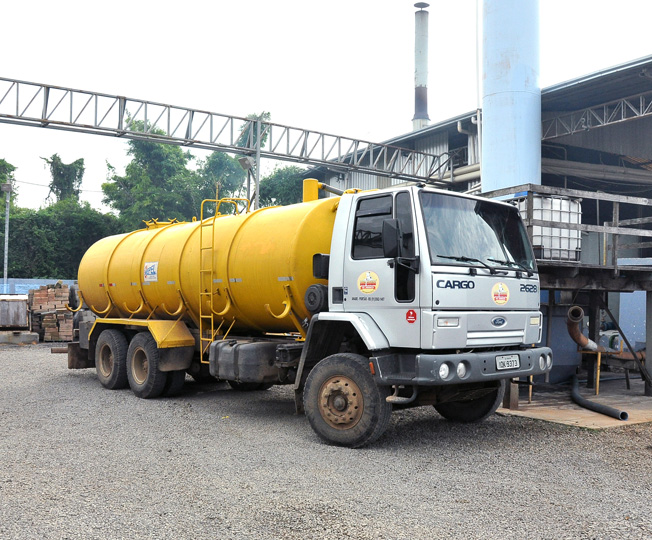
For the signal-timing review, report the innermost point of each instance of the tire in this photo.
(111, 359)
(472, 410)
(145, 378)
(343, 404)
(174, 383)
(249, 386)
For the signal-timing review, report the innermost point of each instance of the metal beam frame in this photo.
(34, 104)
(605, 114)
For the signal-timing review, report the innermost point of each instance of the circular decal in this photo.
(368, 282)
(411, 316)
(500, 293)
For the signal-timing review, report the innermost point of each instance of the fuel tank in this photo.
(249, 271)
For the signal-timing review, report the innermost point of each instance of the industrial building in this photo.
(583, 181)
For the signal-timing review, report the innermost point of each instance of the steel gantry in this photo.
(620, 110)
(47, 106)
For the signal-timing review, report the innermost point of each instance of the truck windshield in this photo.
(461, 230)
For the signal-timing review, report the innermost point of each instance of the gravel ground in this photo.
(79, 461)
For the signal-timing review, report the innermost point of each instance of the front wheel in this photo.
(473, 410)
(343, 404)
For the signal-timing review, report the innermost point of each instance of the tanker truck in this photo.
(364, 302)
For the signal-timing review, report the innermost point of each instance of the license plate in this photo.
(508, 361)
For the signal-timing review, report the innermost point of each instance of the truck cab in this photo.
(442, 291)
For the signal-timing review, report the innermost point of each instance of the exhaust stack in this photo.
(420, 119)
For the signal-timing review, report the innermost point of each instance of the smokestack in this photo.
(420, 119)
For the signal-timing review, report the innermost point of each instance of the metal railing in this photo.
(612, 229)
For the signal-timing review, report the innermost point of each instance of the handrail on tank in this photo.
(234, 202)
(108, 307)
(81, 302)
(182, 305)
(287, 311)
(284, 313)
(133, 312)
(229, 302)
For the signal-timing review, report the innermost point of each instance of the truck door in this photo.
(379, 285)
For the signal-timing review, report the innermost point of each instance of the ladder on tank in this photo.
(206, 276)
(207, 280)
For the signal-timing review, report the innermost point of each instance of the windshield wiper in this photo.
(513, 263)
(462, 258)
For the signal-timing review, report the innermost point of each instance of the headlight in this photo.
(542, 362)
(444, 371)
(535, 321)
(549, 361)
(448, 322)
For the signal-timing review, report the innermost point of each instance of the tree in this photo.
(283, 186)
(49, 243)
(249, 132)
(7, 177)
(66, 178)
(156, 183)
(219, 174)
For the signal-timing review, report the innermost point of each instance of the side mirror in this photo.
(391, 238)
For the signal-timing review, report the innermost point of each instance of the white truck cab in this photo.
(441, 293)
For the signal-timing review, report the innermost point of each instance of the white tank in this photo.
(511, 96)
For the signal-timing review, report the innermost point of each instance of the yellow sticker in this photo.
(368, 282)
(500, 293)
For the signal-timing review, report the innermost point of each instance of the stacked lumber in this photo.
(50, 318)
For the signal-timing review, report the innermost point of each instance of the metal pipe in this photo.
(575, 316)
(592, 406)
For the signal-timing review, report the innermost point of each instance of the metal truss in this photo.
(55, 107)
(621, 110)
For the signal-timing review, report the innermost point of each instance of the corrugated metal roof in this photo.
(602, 86)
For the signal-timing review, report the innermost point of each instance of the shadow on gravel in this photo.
(416, 428)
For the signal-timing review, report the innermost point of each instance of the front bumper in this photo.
(424, 369)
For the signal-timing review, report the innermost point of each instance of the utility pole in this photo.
(7, 189)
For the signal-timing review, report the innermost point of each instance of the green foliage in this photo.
(7, 177)
(66, 178)
(249, 132)
(49, 243)
(283, 186)
(221, 175)
(158, 183)
(155, 184)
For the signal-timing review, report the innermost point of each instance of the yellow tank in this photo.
(248, 271)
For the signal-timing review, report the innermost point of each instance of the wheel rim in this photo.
(139, 366)
(106, 361)
(340, 402)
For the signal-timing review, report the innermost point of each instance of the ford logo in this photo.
(498, 321)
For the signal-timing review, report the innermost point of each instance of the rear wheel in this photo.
(473, 410)
(145, 378)
(343, 404)
(111, 359)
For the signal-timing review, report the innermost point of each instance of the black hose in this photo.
(597, 407)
